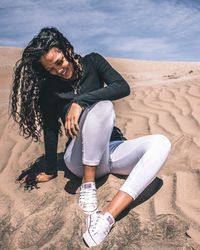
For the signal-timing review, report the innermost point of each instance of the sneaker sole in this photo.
(87, 238)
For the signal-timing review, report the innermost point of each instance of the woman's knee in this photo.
(163, 142)
(106, 105)
(103, 110)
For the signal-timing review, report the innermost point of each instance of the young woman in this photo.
(53, 83)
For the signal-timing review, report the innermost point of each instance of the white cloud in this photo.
(146, 48)
(143, 45)
(142, 27)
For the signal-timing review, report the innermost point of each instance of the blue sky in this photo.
(137, 29)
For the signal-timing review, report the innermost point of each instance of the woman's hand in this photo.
(43, 177)
(71, 124)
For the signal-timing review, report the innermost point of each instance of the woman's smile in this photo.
(56, 64)
(63, 72)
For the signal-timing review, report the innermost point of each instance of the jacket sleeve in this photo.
(50, 129)
(116, 87)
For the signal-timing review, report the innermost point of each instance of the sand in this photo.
(164, 99)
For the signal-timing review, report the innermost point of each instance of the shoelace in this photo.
(88, 197)
(101, 225)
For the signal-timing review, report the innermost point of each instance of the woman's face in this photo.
(56, 64)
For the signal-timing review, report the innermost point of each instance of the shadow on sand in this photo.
(148, 192)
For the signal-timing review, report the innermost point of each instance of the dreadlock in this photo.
(29, 76)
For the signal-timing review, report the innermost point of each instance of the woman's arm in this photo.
(116, 87)
(50, 128)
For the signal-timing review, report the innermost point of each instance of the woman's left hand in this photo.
(71, 123)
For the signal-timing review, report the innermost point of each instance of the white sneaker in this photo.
(98, 227)
(88, 198)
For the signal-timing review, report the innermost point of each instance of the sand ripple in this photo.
(165, 99)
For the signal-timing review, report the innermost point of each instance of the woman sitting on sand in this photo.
(52, 82)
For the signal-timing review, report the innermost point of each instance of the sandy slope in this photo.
(165, 99)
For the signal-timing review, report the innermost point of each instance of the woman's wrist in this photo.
(78, 104)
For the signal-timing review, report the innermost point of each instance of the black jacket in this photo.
(57, 95)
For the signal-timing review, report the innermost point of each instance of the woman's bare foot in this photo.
(43, 177)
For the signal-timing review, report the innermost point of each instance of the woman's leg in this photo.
(87, 156)
(139, 158)
(91, 147)
(96, 133)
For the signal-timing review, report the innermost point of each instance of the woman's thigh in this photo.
(125, 155)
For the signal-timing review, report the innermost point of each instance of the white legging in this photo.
(140, 158)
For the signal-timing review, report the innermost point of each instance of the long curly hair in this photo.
(29, 76)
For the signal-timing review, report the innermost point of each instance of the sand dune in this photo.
(165, 99)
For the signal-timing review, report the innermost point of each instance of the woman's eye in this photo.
(60, 62)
